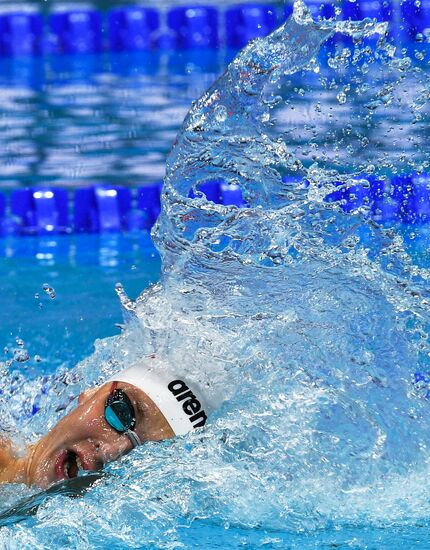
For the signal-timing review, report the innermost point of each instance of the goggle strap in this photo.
(134, 438)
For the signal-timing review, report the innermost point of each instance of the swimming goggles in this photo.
(120, 415)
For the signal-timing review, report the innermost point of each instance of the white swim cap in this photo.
(182, 404)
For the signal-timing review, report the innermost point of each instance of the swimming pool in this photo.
(312, 318)
(82, 270)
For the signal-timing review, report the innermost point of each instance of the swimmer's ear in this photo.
(87, 394)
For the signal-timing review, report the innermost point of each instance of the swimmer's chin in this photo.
(44, 469)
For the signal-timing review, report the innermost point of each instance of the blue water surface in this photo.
(59, 323)
(310, 321)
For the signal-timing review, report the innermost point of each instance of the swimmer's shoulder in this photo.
(11, 466)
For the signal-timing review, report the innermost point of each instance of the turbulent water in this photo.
(311, 322)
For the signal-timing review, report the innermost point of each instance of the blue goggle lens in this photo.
(119, 412)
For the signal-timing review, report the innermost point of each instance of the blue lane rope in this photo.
(96, 209)
(109, 208)
(137, 28)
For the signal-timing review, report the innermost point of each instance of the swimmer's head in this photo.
(85, 440)
(144, 402)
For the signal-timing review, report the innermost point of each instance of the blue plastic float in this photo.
(133, 28)
(148, 206)
(194, 27)
(21, 34)
(39, 210)
(247, 21)
(101, 208)
(76, 31)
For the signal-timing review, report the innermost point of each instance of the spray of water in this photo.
(310, 322)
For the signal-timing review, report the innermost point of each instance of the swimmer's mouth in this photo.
(72, 465)
(68, 465)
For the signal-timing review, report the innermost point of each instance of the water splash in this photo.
(310, 322)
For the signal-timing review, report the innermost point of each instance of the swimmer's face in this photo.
(83, 440)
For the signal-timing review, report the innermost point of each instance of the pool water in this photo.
(310, 318)
(58, 325)
(82, 120)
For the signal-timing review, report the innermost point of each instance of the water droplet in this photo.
(6, 350)
(221, 113)
(49, 290)
(20, 355)
(119, 288)
(19, 342)
(341, 97)
(36, 296)
(127, 303)
(37, 358)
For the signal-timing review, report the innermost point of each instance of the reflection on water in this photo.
(77, 120)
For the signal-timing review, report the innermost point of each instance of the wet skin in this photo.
(83, 440)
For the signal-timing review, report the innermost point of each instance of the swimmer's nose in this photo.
(109, 450)
(92, 456)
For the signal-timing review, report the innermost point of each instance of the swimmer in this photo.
(142, 403)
